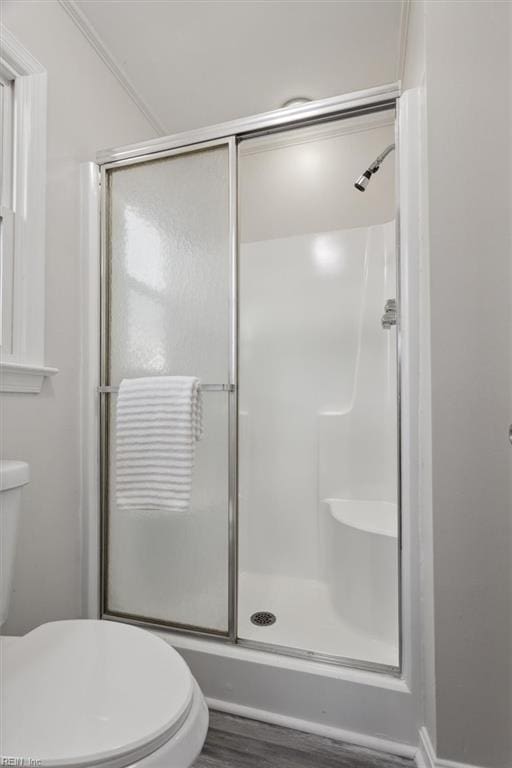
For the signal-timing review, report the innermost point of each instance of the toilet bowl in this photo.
(93, 694)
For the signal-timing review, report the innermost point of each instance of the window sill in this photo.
(18, 377)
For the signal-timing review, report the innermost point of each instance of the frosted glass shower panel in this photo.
(170, 279)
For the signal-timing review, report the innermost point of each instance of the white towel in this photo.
(159, 421)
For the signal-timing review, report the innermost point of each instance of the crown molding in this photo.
(15, 60)
(95, 40)
(402, 38)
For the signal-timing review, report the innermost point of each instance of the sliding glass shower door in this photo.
(255, 264)
(168, 300)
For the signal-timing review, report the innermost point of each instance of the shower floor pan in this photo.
(306, 620)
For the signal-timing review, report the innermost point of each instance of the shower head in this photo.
(363, 181)
(365, 177)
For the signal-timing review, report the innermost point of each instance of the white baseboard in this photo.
(426, 755)
(307, 726)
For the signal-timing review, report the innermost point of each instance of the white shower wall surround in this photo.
(318, 420)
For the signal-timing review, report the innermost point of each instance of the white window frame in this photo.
(22, 368)
(6, 213)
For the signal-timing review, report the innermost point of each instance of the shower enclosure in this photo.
(243, 254)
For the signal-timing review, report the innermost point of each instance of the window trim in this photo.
(24, 370)
(7, 213)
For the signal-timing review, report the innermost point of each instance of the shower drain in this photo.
(263, 618)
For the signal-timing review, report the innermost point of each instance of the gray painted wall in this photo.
(468, 70)
(87, 109)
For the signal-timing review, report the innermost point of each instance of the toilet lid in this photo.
(87, 693)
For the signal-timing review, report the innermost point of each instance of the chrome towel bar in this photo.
(204, 388)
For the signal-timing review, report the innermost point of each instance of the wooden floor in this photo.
(234, 742)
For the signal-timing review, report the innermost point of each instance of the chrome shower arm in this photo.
(379, 160)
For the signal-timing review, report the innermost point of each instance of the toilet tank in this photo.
(13, 476)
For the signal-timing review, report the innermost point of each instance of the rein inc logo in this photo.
(21, 762)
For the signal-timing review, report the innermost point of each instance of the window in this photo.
(22, 218)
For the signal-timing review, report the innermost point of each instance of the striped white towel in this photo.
(159, 421)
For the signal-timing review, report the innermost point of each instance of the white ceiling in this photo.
(201, 62)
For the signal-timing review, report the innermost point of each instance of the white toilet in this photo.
(86, 693)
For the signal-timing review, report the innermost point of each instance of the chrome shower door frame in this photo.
(326, 110)
(106, 389)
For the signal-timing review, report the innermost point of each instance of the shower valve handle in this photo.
(389, 317)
